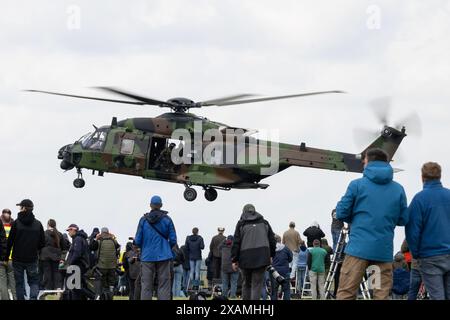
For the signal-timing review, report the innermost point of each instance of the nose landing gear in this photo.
(79, 181)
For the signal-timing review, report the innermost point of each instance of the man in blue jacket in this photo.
(428, 232)
(374, 205)
(157, 238)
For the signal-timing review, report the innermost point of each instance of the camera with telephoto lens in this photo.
(274, 273)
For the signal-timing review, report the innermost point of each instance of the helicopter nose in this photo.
(64, 155)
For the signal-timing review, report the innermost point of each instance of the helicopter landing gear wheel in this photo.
(78, 183)
(190, 194)
(210, 194)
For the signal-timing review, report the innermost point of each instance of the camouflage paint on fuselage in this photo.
(128, 150)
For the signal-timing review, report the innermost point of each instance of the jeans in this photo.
(435, 273)
(414, 284)
(195, 268)
(149, 270)
(177, 278)
(301, 273)
(7, 281)
(230, 280)
(185, 282)
(293, 264)
(335, 235)
(32, 273)
(265, 285)
(285, 286)
(252, 285)
(317, 282)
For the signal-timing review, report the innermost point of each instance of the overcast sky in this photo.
(206, 49)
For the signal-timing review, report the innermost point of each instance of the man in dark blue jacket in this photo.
(157, 239)
(281, 261)
(79, 256)
(374, 205)
(428, 232)
(194, 246)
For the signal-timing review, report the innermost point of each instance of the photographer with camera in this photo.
(252, 251)
(280, 271)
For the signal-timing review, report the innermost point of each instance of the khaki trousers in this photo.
(352, 272)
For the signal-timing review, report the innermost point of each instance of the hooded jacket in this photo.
(428, 229)
(156, 236)
(194, 245)
(283, 256)
(254, 241)
(79, 251)
(27, 237)
(374, 205)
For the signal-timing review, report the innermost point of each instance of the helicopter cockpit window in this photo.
(127, 146)
(94, 141)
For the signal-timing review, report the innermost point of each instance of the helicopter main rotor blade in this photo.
(146, 100)
(85, 97)
(213, 102)
(227, 103)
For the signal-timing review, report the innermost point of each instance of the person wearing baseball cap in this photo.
(157, 239)
(28, 238)
(79, 256)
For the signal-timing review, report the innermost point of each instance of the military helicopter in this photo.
(141, 147)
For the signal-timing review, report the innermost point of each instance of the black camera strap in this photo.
(156, 229)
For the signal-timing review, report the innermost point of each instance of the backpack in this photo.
(107, 254)
(400, 284)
